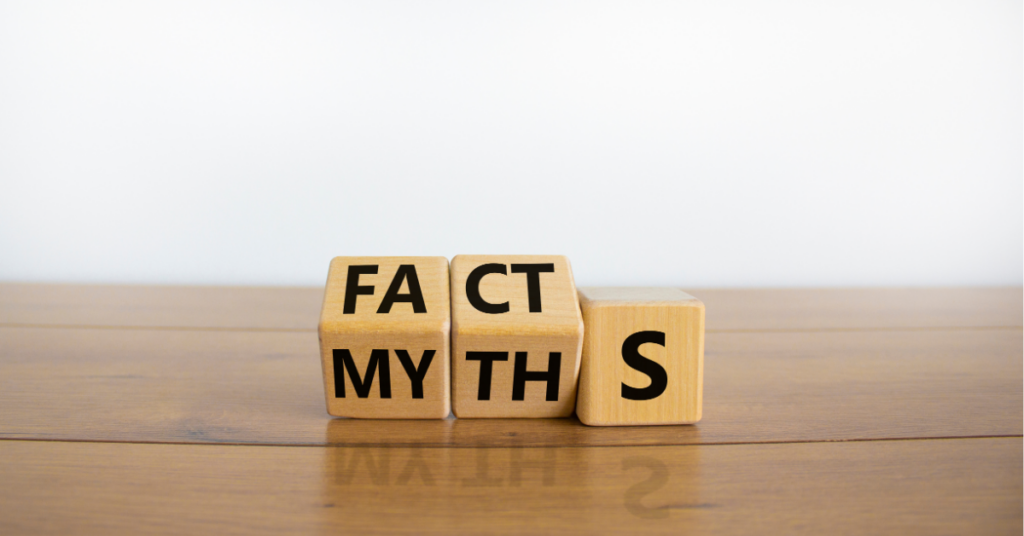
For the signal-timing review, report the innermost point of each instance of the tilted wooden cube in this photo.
(384, 338)
(517, 334)
(643, 357)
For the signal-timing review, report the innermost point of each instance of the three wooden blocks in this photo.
(513, 337)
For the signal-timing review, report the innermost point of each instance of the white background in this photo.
(679, 143)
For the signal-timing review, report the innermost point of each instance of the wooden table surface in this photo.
(135, 409)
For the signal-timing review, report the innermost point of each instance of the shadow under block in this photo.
(384, 338)
(517, 335)
(643, 357)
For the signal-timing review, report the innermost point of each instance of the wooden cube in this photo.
(517, 335)
(384, 338)
(643, 357)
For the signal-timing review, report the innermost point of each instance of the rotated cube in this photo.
(643, 357)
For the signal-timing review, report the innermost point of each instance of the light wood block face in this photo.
(517, 334)
(384, 338)
(643, 357)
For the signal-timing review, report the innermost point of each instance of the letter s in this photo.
(631, 355)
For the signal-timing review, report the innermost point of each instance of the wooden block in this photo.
(517, 335)
(384, 338)
(643, 357)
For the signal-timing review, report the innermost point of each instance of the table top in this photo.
(173, 409)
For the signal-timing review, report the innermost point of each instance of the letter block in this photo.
(384, 338)
(643, 357)
(517, 334)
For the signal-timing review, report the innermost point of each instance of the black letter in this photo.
(416, 374)
(520, 376)
(352, 288)
(473, 290)
(486, 359)
(378, 359)
(415, 295)
(631, 355)
(533, 272)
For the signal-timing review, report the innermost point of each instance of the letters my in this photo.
(343, 362)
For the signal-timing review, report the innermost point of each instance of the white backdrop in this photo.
(684, 143)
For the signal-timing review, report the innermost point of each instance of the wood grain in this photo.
(280, 308)
(846, 370)
(868, 308)
(266, 388)
(964, 486)
(298, 308)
